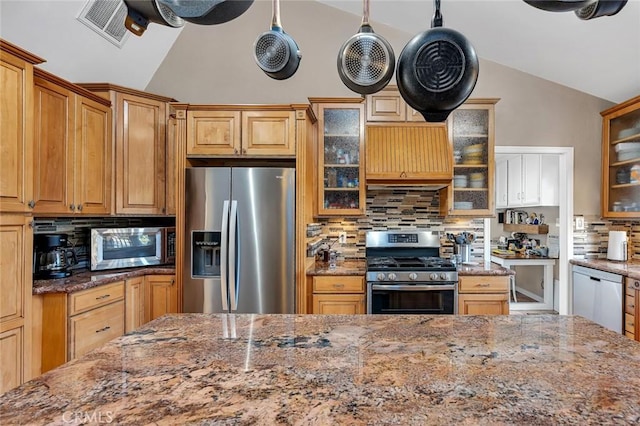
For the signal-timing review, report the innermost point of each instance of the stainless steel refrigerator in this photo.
(239, 240)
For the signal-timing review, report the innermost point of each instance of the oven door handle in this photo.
(413, 287)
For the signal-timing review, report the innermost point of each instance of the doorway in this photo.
(554, 298)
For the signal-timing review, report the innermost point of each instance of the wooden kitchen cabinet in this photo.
(140, 138)
(76, 323)
(632, 308)
(621, 160)
(387, 105)
(483, 295)
(228, 131)
(16, 251)
(340, 179)
(472, 133)
(16, 128)
(72, 149)
(340, 295)
(161, 296)
(134, 303)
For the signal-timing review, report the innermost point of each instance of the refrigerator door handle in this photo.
(233, 285)
(223, 256)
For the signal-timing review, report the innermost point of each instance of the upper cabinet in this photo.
(621, 160)
(140, 148)
(472, 134)
(524, 180)
(16, 128)
(387, 105)
(232, 130)
(72, 149)
(340, 153)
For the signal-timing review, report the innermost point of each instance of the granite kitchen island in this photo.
(363, 369)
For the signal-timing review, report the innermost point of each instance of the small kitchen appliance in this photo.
(405, 274)
(617, 247)
(52, 256)
(115, 248)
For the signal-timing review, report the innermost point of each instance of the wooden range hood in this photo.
(408, 154)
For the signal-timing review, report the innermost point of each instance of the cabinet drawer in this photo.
(94, 328)
(483, 284)
(338, 284)
(99, 296)
(629, 323)
(630, 304)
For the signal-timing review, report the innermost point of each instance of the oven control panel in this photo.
(402, 238)
(413, 277)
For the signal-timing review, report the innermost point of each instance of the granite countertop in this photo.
(82, 280)
(346, 267)
(344, 370)
(520, 256)
(484, 268)
(628, 269)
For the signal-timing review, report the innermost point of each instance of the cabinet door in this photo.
(53, 148)
(621, 160)
(16, 251)
(93, 157)
(16, 134)
(386, 105)
(161, 296)
(514, 190)
(549, 179)
(171, 168)
(213, 133)
(270, 133)
(340, 173)
(531, 179)
(11, 359)
(134, 303)
(140, 155)
(471, 129)
(483, 304)
(501, 184)
(94, 328)
(338, 304)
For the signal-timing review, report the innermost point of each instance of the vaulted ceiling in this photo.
(600, 57)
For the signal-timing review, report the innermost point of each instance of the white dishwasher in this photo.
(597, 296)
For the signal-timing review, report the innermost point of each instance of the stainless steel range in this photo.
(405, 274)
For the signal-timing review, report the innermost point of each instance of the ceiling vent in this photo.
(106, 17)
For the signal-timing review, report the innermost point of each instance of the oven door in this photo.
(405, 298)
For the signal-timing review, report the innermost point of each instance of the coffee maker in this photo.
(52, 256)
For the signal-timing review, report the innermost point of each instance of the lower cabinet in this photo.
(632, 309)
(161, 296)
(339, 295)
(76, 323)
(483, 295)
(134, 304)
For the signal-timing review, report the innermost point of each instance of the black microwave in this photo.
(115, 248)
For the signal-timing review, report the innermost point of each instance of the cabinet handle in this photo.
(103, 329)
(79, 207)
(244, 151)
(403, 175)
(72, 207)
(235, 151)
(338, 285)
(31, 204)
(484, 285)
(103, 297)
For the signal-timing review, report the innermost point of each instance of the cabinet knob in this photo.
(30, 224)
(636, 284)
(72, 207)
(244, 151)
(31, 204)
(235, 151)
(79, 207)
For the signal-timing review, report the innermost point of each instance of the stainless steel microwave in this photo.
(114, 248)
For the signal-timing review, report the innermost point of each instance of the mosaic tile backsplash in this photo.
(396, 209)
(591, 243)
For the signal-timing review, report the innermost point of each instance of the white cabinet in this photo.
(501, 183)
(527, 180)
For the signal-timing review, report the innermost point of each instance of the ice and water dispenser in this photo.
(205, 260)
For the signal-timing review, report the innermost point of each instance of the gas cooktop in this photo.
(388, 263)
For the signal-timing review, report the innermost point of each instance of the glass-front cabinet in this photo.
(471, 130)
(621, 160)
(340, 148)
